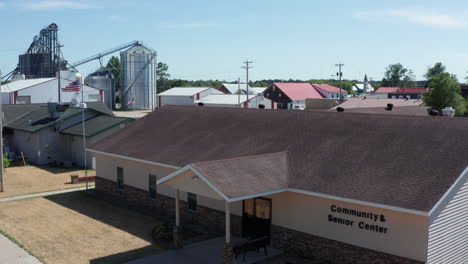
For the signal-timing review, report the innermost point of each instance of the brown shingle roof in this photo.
(247, 175)
(403, 161)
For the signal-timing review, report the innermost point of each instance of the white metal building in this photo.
(239, 101)
(44, 90)
(233, 88)
(184, 95)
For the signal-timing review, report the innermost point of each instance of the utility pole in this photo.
(238, 91)
(1, 139)
(340, 74)
(247, 67)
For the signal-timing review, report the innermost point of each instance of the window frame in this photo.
(152, 195)
(192, 201)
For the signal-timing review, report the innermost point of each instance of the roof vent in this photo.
(261, 106)
(340, 109)
(434, 113)
(52, 107)
(448, 111)
(389, 107)
(201, 104)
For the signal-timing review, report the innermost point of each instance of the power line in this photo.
(247, 67)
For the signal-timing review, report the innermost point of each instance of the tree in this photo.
(409, 80)
(394, 75)
(114, 66)
(436, 70)
(445, 92)
(162, 76)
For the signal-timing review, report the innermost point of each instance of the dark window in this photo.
(192, 201)
(120, 178)
(152, 186)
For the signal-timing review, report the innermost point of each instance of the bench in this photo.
(251, 245)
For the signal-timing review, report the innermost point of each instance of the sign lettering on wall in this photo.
(371, 222)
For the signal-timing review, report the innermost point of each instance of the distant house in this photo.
(330, 91)
(408, 93)
(234, 88)
(387, 90)
(52, 133)
(184, 95)
(44, 90)
(236, 101)
(291, 95)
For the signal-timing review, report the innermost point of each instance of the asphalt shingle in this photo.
(403, 161)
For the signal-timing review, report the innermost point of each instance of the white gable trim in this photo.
(190, 167)
(457, 184)
(133, 159)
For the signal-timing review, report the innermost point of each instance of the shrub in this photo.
(163, 231)
(6, 160)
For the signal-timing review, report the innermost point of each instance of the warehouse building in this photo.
(45, 90)
(236, 101)
(184, 95)
(235, 88)
(336, 187)
(330, 91)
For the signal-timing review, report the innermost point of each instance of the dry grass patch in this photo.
(78, 228)
(32, 179)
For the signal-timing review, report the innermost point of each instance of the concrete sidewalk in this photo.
(27, 196)
(206, 252)
(12, 253)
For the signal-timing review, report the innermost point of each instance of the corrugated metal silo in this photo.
(103, 79)
(138, 78)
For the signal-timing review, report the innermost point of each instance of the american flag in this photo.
(72, 87)
(131, 102)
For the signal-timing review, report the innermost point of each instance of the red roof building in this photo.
(330, 91)
(387, 90)
(291, 95)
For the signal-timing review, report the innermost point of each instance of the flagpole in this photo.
(1, 139)
(83, 105)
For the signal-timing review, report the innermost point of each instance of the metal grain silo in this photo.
(138, 78)
(103, 79)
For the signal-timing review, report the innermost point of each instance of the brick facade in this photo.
(304, 245)
(164, 207)
(290, 241)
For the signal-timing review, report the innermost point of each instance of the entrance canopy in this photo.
(233, 179)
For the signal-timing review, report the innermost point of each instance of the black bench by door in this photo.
(256, 217)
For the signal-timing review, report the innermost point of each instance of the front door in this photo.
(256, 217)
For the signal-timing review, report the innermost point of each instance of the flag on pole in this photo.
(131, 102)
(72, 87)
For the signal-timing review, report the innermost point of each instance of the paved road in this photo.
(12, 253)
(27, 196)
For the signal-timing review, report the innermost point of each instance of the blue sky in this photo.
(209, 39)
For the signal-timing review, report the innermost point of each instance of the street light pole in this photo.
(340, 74)
(83, 106)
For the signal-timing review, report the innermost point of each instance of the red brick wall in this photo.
(296, 243)
(164, 207)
